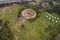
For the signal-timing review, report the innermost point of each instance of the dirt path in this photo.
(17, 29)
(19, 22)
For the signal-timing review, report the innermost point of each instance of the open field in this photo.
(39, 28)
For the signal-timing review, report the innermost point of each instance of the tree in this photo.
(5, 32)
(1, 22)
(56, 9)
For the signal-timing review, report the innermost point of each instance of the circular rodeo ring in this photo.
(28, 13)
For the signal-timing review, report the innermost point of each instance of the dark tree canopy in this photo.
(1, 22)
(5, 32)
(55, 9)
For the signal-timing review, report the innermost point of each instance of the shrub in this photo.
(6, 33)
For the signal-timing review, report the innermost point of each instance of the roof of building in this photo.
(7, 1)
(10, 1)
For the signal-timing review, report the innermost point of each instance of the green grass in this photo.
(36, 30)
(33, 29)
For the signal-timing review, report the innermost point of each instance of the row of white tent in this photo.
(52, 18)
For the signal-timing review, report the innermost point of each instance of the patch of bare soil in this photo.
(7, 8)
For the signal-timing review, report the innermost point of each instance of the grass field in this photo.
(39, 28)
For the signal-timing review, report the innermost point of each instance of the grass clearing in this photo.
(34, 29)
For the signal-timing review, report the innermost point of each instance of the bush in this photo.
(55, 9)
(5, 32)
(32, 20)
(1, 22)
